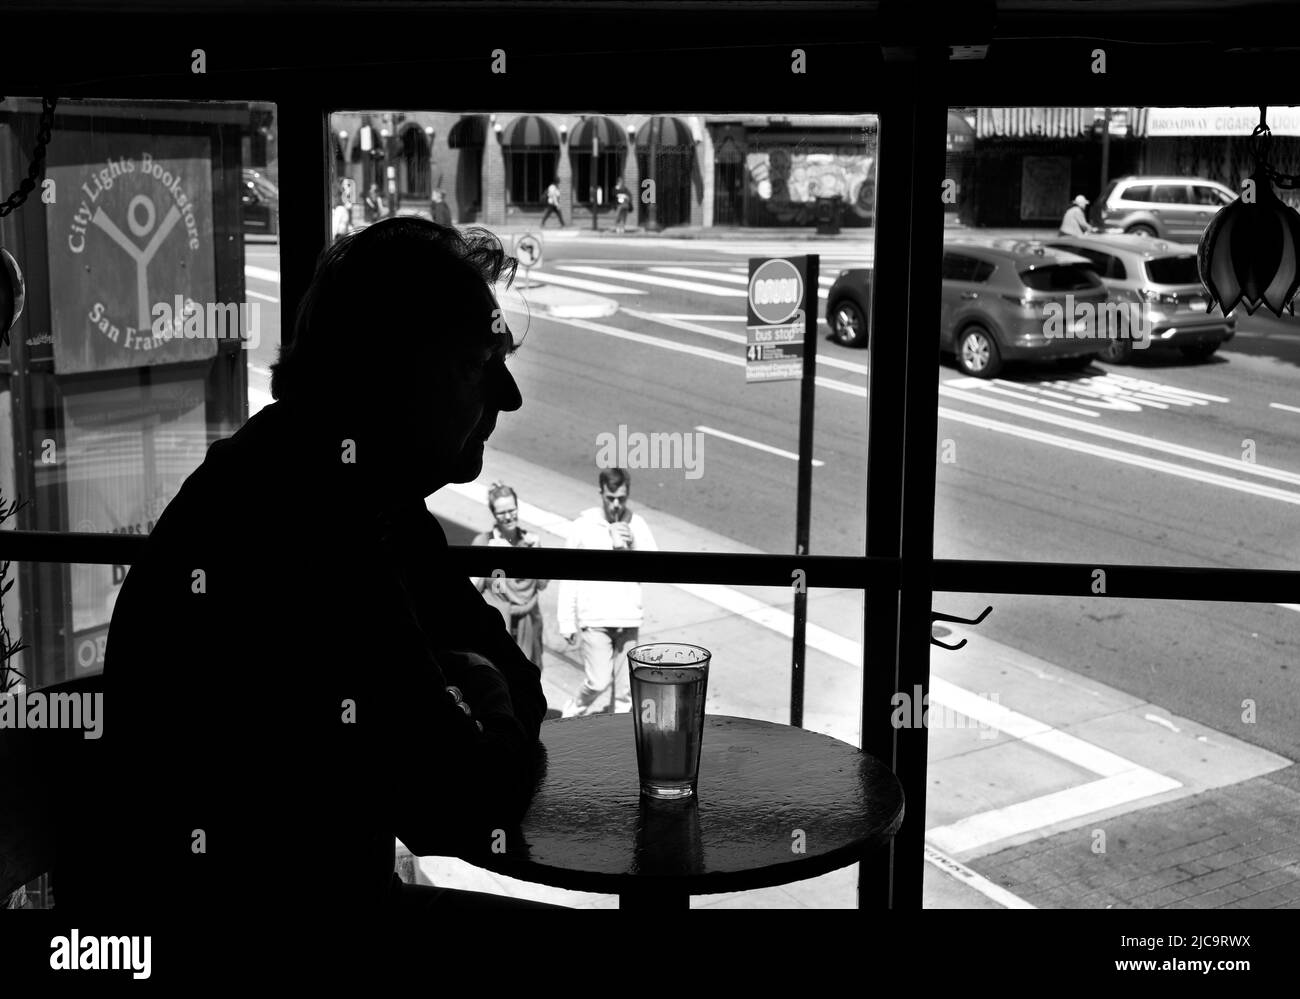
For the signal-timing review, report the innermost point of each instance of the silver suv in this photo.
(1162, 280)
(1177, 208)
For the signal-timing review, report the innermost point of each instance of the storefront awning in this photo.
(673, 134)
(530, 132)
(606, 131)
(1034, 123)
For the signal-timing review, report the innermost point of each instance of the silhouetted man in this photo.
(280, 662)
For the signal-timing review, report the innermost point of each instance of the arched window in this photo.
(413, 166)
(531, 147)
(597, 154)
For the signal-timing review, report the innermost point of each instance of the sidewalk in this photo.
(1029, 761)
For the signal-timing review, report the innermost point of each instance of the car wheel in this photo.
(1141, 230)
(1201, 352)
(848, 324)
(977, 352)
(1117, 352)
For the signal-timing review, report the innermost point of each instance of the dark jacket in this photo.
(276, 676)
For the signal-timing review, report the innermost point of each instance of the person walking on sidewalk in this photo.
(606, 615)
(552, 205)
(516, 599)
(623, 201)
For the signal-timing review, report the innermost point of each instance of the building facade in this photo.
(683, 170)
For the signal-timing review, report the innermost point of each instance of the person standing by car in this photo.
(623, 201)
(516, 599)
(439, 211)
(552, 205)
(1075, 222)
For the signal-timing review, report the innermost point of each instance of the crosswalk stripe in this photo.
(824, 282)
(549, 277)
(663, 282)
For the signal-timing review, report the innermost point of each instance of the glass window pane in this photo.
(637, 349)
(1121, 423)
(151, 320)
(1105, 753)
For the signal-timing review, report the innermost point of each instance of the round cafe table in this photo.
(774, 804)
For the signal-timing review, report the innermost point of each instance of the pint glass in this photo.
(669, 682)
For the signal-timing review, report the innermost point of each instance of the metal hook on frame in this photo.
(936, 616)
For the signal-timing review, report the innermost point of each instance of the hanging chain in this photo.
(37, 166)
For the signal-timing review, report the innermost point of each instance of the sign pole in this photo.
(803, 503)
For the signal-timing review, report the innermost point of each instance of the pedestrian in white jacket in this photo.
(605, 615)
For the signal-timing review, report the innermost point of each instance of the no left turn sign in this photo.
(528, 249)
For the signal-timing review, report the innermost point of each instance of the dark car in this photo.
(848, 307)
(259, 202)
(997, 298)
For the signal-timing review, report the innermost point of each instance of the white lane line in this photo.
(1159, 387)
(1061, 806)
(684, 348)
(1122, 436)
(1042, 402)
(662, 282)
(756, 444)
(257, 294)
(549, 277)
(824, 282)
(1124, 457)
(668, 319)
(973, 880)
(695, 316)
(261, 273)
(1289, 409)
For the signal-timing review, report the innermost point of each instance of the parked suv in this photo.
(1162, 279)
(1176, 208)
(995, 297)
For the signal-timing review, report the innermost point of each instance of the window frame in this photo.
(917, 83)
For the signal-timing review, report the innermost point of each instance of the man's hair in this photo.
(614, 478)
(396, 290)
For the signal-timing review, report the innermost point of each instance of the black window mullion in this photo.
(304, 139)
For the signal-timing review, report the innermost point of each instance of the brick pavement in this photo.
(1232, 847)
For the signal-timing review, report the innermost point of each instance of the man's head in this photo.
(1081, 201)
(400, 335)
(437, 196)
(615, 484)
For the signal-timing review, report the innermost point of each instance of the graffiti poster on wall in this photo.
(786, 183)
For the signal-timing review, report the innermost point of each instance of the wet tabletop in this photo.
(775, 804)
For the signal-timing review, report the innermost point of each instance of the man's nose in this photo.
(506, 397)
